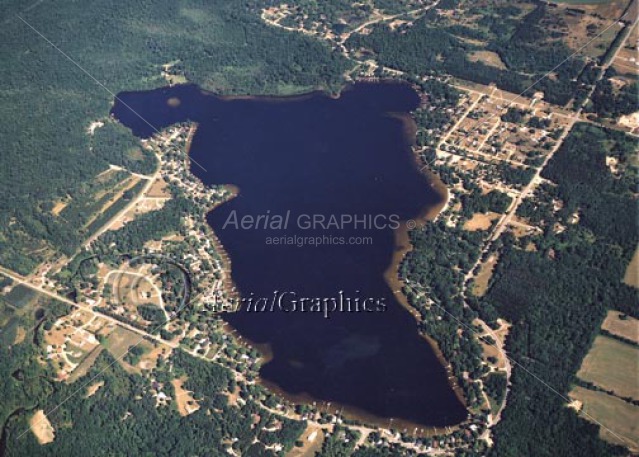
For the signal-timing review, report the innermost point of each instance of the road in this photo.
(506, 219)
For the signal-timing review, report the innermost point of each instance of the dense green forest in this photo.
(556, 297)
(610, 102)
(111, 423)
(47, 103)
(522, 43)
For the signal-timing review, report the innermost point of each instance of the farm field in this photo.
(620, 417)
(612, 365)
(627, 327)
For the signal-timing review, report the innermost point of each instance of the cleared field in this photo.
(21, 296)
(612, 365)
(159, 189)
(620, 417)
(120, 341)
(85, 365)
(480, 285)
(42, 428)
(583, 2)
(93, 388)
(186, 404)
(480, 221)
(487, 57)
(627, 328)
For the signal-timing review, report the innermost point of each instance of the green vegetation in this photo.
(47, 103)
(116, 144)
(495, 384)
(109, 423)
(517, 33)
(340, 443)
(610, 102)
(556, 297)
(151, 313)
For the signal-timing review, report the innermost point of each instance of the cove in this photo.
(317, 156)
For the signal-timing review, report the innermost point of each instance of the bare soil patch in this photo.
(480, 221)
(93, 388)
(42, 428)
(185, 402)
(21, 333)
(487, 57)
(312, 440)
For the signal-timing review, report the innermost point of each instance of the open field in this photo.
(120, 341)
(493, 350)
(93, 388)
(159, 189)
(612, 365)
(85, 365)
(42, 428)
(627, 328)
(480, 285)
(627, 63)
(608, 9)
(21, 296)
(487, 57)
(480, 221)
(186, 404)
(621, 417)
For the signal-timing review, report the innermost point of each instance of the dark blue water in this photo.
(305, 156)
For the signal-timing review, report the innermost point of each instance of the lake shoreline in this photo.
(447, 410)
(402, 248)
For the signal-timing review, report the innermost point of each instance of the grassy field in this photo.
(619, 417)
(612, 365)
(627, 328)
(480, 285)
(119, 343)
(120, 340)
(85, 365)
(20, 309)
(20, 296)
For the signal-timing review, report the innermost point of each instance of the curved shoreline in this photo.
(402, 247)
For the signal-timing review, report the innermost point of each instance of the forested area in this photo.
(557, 295)
(47, 103)
(116, 144)
(438, 271)
(433, 44)
(608, 101)
(148, 226)
(111, 423)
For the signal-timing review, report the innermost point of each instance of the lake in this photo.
(322, 182)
